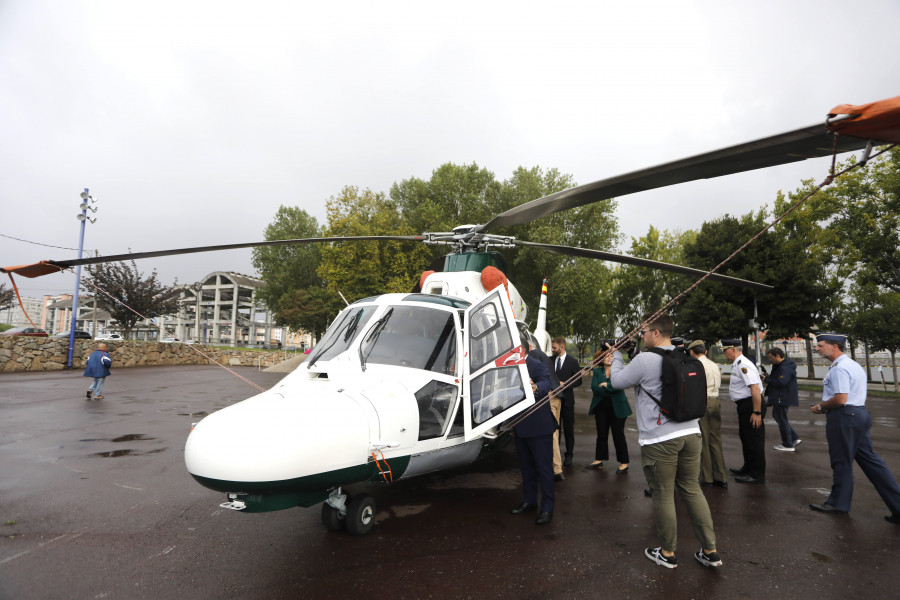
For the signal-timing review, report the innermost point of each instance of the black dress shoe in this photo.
(543, 518)
(559, 477)
(648, 493)
(598, 465)
(734, 471)
(827, 508)
(721, 484)
(567, 462)
(705, 483)
(523, 508)
(748, 479)
(893, 518)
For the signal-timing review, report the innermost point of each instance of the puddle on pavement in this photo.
(129, 452)
(202, 413)
(131, 437)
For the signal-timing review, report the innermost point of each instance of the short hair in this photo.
(842, 346)
(559, 341)
(663, 323)
(775, 351)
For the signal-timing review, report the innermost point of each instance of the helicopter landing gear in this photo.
(334, 510)
(356, 514)
(361, 515)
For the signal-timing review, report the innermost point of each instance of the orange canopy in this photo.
(879, 121)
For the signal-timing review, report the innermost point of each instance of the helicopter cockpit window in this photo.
(494, 391)
(341, 334)
(489, 337)
(435, 401)
(414, 337)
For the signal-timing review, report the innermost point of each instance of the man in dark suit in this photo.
(534, 439)
(566, 367)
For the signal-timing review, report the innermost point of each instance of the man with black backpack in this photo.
(670, 448)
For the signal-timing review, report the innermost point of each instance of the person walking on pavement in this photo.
(566, 367)
(848, 427)
(97, 366)
(670, 450)
(781, 394)
(712, 459)
(745, 391)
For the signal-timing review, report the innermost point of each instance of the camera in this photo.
(627, 345)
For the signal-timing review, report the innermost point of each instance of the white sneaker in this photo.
(781, 448)
(797, 443)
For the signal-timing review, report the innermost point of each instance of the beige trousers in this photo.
(555, 407)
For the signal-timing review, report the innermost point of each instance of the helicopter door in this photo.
(495, 379)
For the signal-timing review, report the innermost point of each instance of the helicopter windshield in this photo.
(415, 337)
(341, 333)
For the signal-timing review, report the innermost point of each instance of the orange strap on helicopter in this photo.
(879, 121)
(380, 470)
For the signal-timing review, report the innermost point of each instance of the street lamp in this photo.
(785, 342)
(83, 219)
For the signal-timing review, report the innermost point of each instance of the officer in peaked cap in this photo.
(745, 390)
(848, 428)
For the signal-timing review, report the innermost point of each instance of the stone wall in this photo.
(25, 353)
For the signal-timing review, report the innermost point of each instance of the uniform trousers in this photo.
(567, 424)
(555, 406)
(712, 459)
(847, 430)
(753, 439)
(536, 460)
(675, 464)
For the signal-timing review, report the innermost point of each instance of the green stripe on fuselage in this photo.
(262, 496)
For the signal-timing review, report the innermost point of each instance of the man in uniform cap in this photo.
(847, 428)
(712, 459)
(745, 390)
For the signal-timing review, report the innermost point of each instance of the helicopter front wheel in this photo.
(360, 515)
(332, 518)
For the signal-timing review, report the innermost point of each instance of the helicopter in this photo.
(401, 385)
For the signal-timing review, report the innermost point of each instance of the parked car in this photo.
(32, 331)
(170, 340)
(109, 336)
(79, 335)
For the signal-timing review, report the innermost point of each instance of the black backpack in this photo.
(683, 385)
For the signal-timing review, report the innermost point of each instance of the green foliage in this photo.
(133, 293)
(638, 290)
(311, 309)
(361, 269)
(288, 268)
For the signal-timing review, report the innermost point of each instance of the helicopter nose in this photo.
(271, 437)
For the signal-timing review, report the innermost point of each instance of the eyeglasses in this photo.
(643, 331)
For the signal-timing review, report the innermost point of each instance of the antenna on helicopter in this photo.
(342, 298)
(540, 330)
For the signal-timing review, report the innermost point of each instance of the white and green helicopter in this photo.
(406, 384)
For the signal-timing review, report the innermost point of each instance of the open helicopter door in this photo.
(496, 385)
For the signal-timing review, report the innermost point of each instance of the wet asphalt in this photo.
(95, 502)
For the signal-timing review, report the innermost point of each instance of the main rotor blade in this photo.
(644, 262)
(792, 146)
(54, 265)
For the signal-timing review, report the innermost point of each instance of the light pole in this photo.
(85, 198)
(785, 342)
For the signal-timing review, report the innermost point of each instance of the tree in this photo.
(878, 324)
(311, 309)
(361, 269)
(291, 269)
(7, 296)
(638, 290)
(777, 258)
(133, 293)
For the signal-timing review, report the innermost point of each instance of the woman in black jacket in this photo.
(781, 394)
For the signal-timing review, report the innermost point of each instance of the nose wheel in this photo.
(355, 514)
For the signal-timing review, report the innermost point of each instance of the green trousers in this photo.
(675, 464)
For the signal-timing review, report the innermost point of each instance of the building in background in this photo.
(13, 315)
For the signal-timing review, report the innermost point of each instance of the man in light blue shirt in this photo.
(848, 431)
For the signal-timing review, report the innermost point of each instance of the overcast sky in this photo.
(191, 122)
